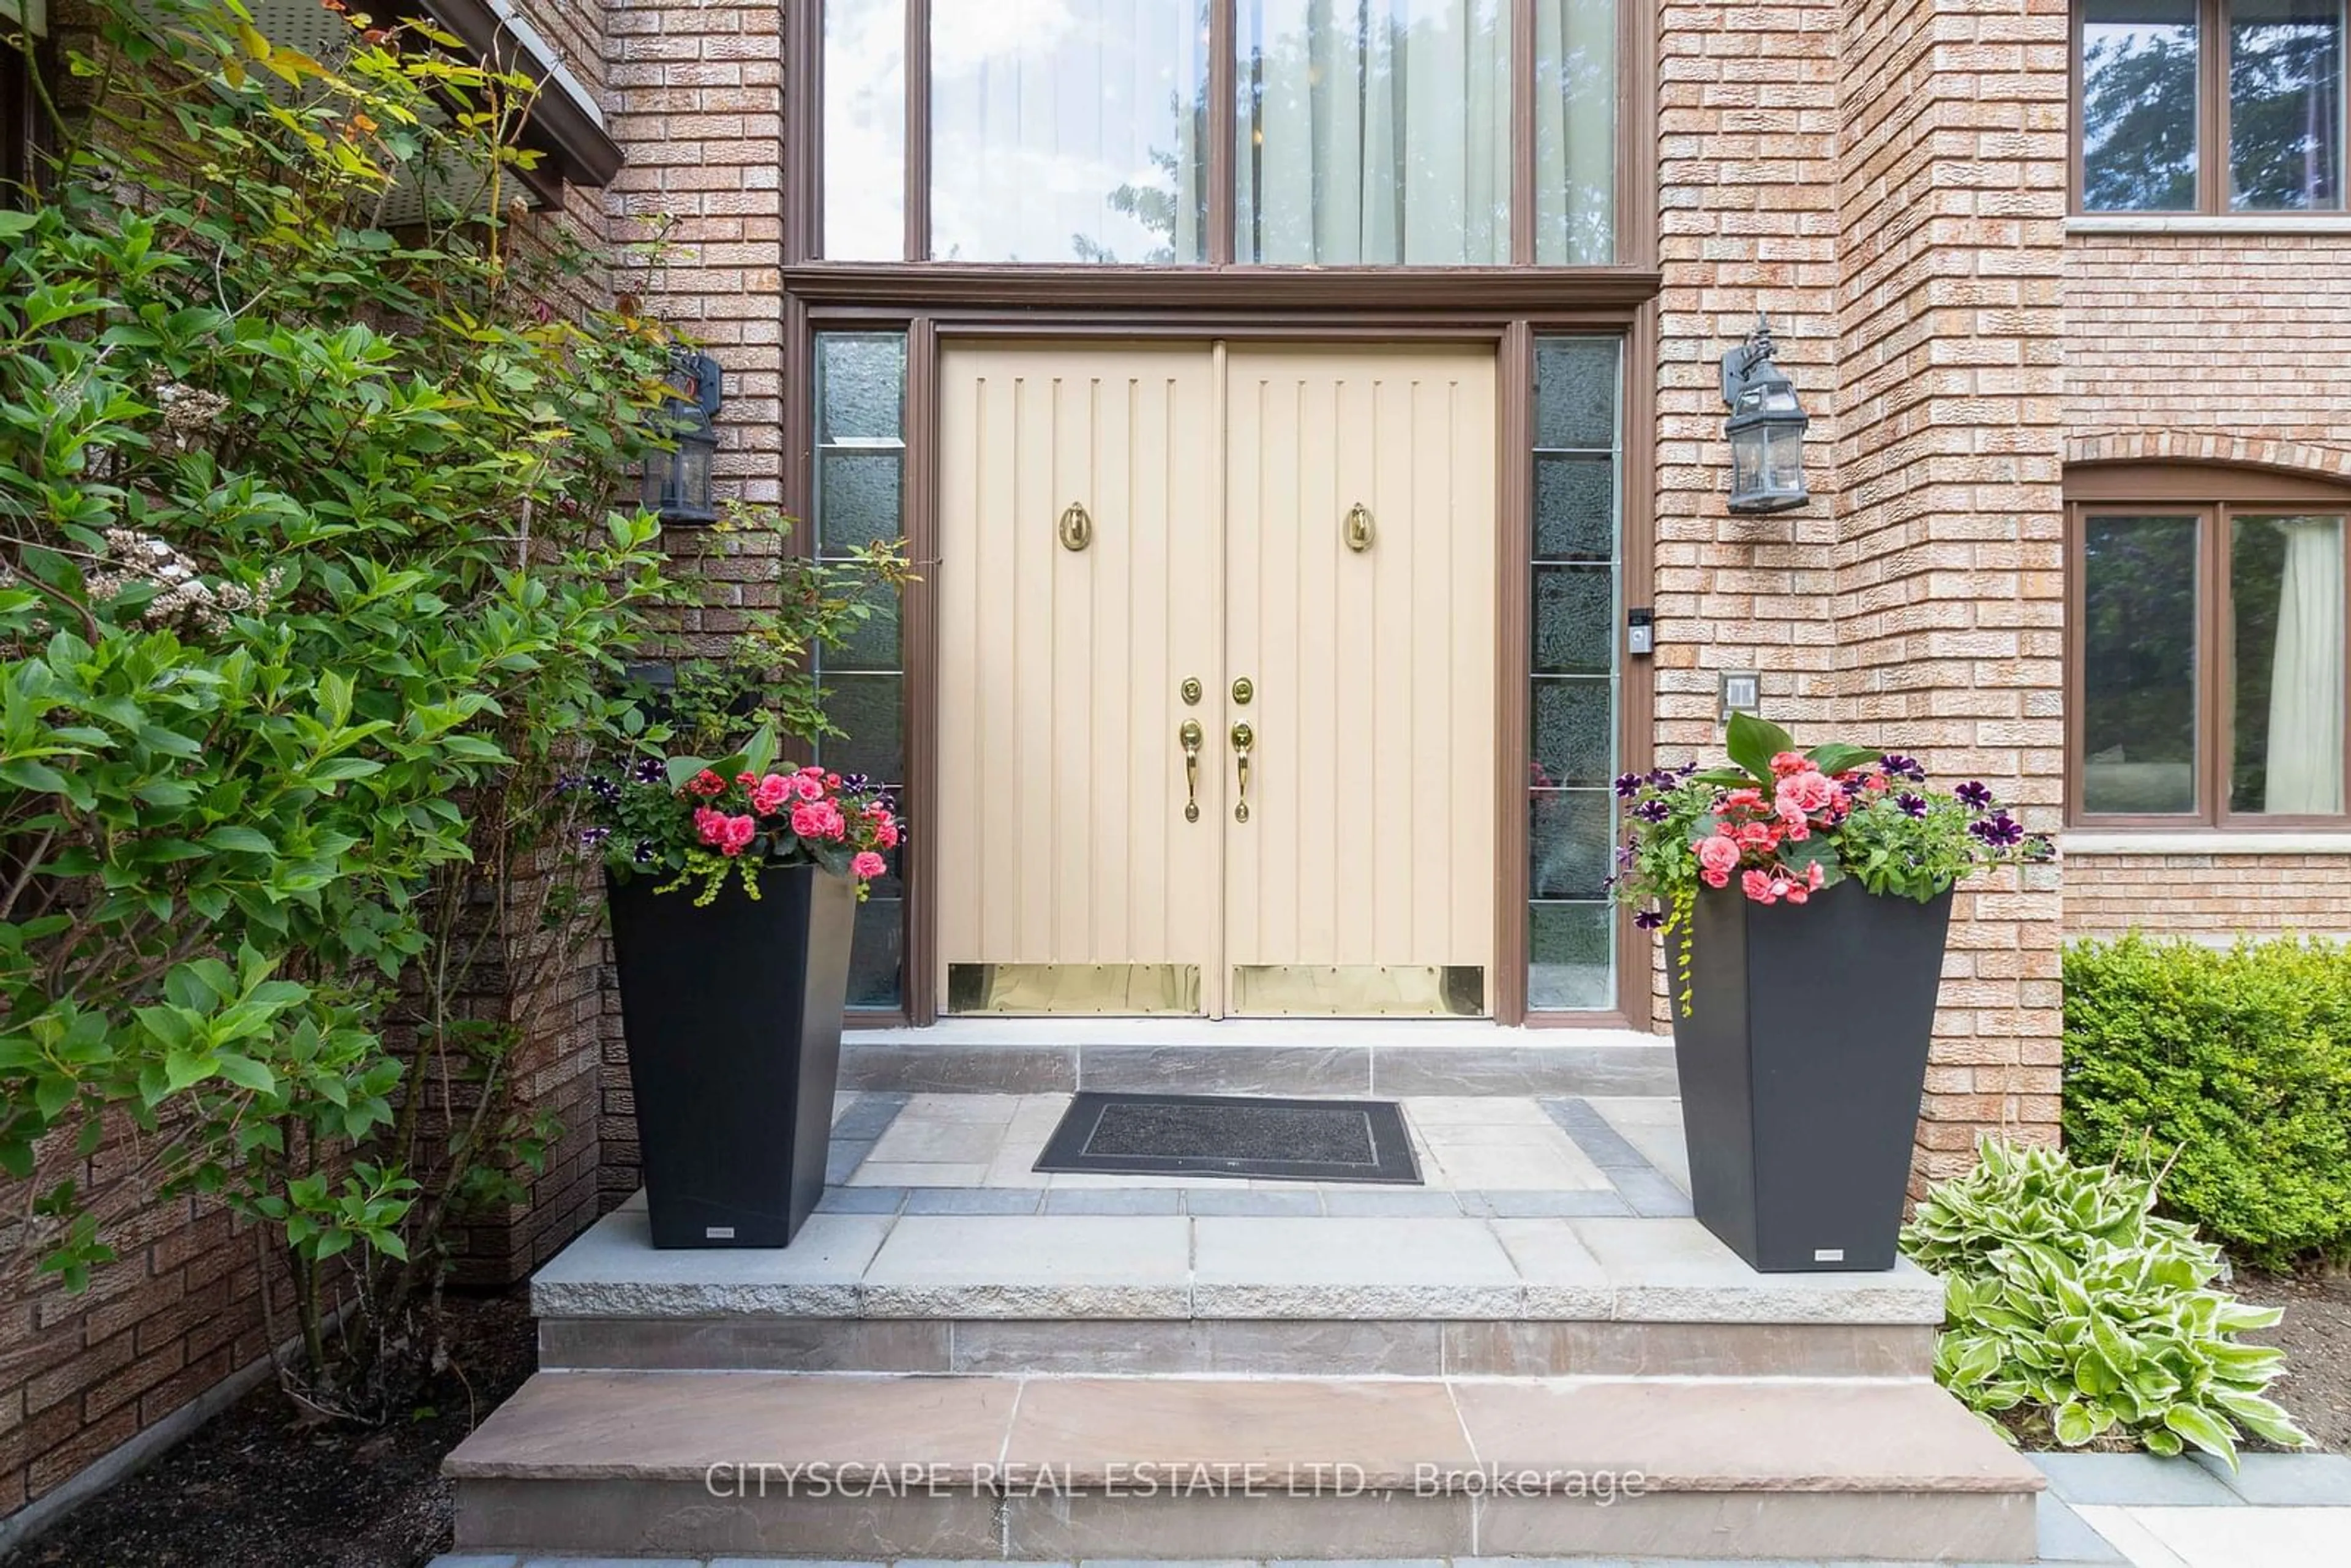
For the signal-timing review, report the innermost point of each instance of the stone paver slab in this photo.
(2285, 1481)
(1032, 1265)
(614, 1271)
(1563, 1280)
(1674, 1270)
(1351, 1268)
(1083, 1426)
(2066, 1537)
(673, 1425)
(2235, 1538)
(2127, 1480)
(1737, 1434)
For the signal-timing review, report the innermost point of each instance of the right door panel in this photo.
(1359, 591)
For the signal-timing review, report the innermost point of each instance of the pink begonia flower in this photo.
(1742, 800)
(809, 786)
(1758, 835)
(711, 825)
(1806, 792)
(885, 832)
(737, 835)
(867, 865)
(819, 819)
(1815, 875)
(1718, 854)
(768, 794)
(1784, 763)
(1794, 828)
(1757, 886)
(1715, 878)
(1793, 892)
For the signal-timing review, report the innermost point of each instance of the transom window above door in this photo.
(1280, 132)
(2210, 106)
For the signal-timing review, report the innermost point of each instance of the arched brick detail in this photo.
(2210, 446)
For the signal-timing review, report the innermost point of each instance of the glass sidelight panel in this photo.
(1068, 130)
(860, 497)
(1574, 675)
(2138, 665)
(1374, 133)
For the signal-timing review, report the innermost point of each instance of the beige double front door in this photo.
(1217, 664)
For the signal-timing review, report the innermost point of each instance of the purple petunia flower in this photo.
(1851, 787)
(1974, 795)
(566, 782)
(1893, 765)
(1686, 770)
(1649, 919)
(591, 837)
(604, 789)
(1661, 778)
(1912, 805)
(648, 770)
(854, 782)
(645, 853)
(2000, 832)
(1627, 786)
(1625, 856)
(1652, 810)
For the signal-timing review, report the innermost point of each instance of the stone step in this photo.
(1390, 1347)
(944, 1268)
(1313, 1057)
(688, 1463)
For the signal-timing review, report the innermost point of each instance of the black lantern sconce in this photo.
(1766, 427)
(677, 482)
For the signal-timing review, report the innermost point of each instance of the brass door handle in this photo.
(1191, 735)
(1243, 738)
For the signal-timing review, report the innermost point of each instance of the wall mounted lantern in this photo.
(1766, 427)
(677, 482)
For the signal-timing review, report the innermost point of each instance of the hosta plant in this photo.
(2073, 1309)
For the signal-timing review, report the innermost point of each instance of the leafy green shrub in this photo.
(2238, 1065)
(2072, 1305)
(318, 554)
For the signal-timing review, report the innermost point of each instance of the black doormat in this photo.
(1232, 1136)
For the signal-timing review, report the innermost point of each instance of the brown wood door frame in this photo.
(1512, 340)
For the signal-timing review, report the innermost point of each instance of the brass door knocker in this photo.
(1077, 530)
(1357, 530)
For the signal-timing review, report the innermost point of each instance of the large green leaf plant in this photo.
(317, 561)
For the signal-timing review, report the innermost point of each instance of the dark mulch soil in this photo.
(256, 1488)
(2317, 1339)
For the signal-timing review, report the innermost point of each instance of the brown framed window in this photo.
(2209, 106)
(2207, 671)
(1188, 132)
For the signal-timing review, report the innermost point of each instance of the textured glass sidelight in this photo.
(865, 130)
(2138, 665)
(861, 394)
(1574, 679)
(1068, 130)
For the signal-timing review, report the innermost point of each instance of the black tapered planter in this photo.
(1801, 1063)
(733, 1013)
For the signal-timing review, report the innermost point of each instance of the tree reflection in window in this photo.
(2285, 104)
(2139, 105)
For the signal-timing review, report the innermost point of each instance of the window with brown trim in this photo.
(2209, 106)
(1277, 132)
(2207, 676)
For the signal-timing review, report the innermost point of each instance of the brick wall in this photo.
(696, 96)
(1949, 202)
(2253, 350)
(2207, 896)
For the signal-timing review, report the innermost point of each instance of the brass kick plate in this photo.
(1037, 990)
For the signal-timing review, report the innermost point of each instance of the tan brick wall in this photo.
(2209, 897)
(2209, 346)
(1950, 605)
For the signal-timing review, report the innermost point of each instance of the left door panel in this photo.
(1069, 878)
